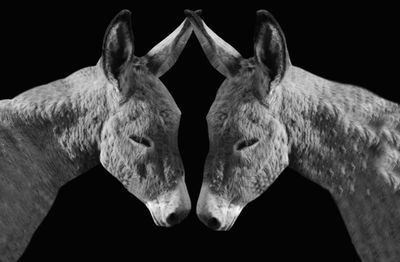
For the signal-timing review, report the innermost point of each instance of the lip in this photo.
(168, 203)
(228, 227)
(216, 206)
(156, 221)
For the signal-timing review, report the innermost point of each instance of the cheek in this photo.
(137, 186)
(107, 149)
(277, 158)
(147, 186)
(117, 154)
(267, 164)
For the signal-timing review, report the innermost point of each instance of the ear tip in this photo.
(263, 12)
(190, 13)
(127, 11)
(124, 14)
(265, 15)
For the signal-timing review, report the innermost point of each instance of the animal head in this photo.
(248, 142)
(139, 138)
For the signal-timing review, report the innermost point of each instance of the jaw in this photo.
(172, 207)
(215, 211)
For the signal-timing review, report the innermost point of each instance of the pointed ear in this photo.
(164, 55)
(221, 55)
(270, 46)
(117, 45)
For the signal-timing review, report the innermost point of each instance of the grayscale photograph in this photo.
(197, 132)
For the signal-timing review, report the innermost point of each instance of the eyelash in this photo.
(246, 143)
(141, 140)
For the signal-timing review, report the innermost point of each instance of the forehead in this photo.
(237, 110)
(235, 94)
(147, 96)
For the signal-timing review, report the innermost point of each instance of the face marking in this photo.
(235, 175)
(217, 208)
(139, 138)
(173, 202)
(248, 143)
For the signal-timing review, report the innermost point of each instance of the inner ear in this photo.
(118, 45)
(270, 46)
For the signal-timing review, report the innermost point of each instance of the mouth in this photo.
(229, 226)
(170, 208)
(156, 221)
(216, 212)
(155, 212)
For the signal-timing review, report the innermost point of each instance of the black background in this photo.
(94, 217)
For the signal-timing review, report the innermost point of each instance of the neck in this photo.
(347, 140)
(51, 134)
(66, 114)
(338, 130)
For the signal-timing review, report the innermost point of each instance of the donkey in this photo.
(117, 113)
(269, 114)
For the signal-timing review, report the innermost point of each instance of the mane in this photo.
(52, 100)
(353, 125)
(72, 109)
(373, 121)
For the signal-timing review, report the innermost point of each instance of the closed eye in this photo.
(141, 140)
(246, 143)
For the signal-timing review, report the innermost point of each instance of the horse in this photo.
(269, 114)
(117, 113)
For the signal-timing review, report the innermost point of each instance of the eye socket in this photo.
(246, 143)
(141, 140)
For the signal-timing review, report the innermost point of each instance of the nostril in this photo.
(176, 217)
(213, 223)
(172, 219)
(210, 221)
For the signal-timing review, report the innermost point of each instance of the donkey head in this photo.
(248, 143)
(139, 138)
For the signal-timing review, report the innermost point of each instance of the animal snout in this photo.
(172, 207)
(210, 221)
(216, 219)
(215, 211)
(176, 217)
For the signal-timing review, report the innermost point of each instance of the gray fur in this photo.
(52, 133)
(340, 136)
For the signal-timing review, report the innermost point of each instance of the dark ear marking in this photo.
(222, 56)
(164, 55)
(118, 45)
(270, 46)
